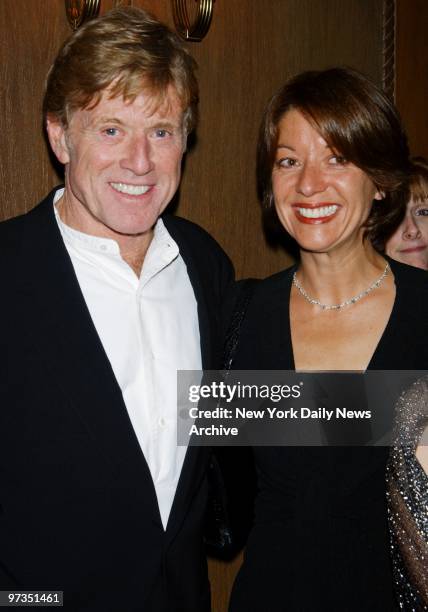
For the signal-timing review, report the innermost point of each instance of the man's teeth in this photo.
(130, 189)
(317, 213)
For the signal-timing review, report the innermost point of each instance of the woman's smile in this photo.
(322, 200)
(315, 214)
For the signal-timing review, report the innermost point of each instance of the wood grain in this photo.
(412, 71)
(31, 33)
(253, 46)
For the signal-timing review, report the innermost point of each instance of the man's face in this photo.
(122, 163)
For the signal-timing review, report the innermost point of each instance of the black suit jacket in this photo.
(78, 509)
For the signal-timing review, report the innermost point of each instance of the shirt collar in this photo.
(162, 250)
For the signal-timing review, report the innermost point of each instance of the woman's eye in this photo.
(286, 162)
(421, 212)
(338, 160)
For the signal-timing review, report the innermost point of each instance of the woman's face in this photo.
(409, 243)
(321, 199)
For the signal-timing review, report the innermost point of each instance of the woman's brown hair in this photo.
(359, 122)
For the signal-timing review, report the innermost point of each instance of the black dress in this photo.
(320, 538)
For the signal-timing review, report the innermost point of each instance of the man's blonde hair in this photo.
(126, 51)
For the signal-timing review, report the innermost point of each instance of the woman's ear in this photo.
(379, 195)
(57, 138)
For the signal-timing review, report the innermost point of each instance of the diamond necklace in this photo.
(349, 302)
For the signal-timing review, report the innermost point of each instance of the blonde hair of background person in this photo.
(409, 242)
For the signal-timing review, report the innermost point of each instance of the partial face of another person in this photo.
(321, 199)
(409, 243)
(122, 162)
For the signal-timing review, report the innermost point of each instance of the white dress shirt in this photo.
(149, 329)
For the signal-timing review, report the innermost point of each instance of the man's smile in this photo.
(129, 189)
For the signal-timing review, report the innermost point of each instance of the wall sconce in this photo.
(192, 30)
(79, 11)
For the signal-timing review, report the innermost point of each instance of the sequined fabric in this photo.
(407, 496)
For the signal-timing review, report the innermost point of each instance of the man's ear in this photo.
(57, 138)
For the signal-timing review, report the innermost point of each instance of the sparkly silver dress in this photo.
(407, 494)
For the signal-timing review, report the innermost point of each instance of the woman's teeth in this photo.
(317, 213)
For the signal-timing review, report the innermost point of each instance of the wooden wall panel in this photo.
(253, 46)
(412, 71)
(30, 33)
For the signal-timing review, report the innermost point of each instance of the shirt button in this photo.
(162, 422)
(103, 247)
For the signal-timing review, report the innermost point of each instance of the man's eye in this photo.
(161, 133)
(111, 131)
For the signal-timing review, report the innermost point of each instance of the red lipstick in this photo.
(315, 214)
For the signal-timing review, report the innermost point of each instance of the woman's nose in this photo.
(311, 180)
(411, 229)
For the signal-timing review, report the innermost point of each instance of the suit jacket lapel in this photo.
(56, 316)
(197, 274)
(61, 327)
(196, 458)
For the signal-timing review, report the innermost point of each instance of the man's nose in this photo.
(411, 230)
(310, 180)
(138, 156)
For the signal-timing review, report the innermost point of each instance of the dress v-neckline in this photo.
(382, 340)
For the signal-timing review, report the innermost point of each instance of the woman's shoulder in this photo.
(256, 292)
(278, 282)
(409, 276)
(263, 325)
(412, 288)
(269, 295)
(269, 303)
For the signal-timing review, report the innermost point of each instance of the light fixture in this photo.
(192, 29)
(79, 11)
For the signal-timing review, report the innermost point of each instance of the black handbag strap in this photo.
(232, 336)
(224, 534)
